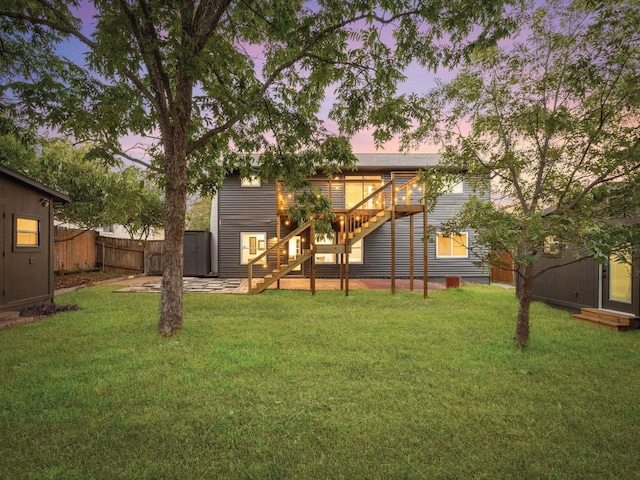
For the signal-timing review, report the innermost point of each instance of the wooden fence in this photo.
(76, 250)
(503, 274)
(130, 256)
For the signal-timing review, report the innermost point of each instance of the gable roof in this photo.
(31, 183)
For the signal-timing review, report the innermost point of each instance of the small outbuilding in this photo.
(26, 232)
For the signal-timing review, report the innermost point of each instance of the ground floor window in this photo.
(325, 258)
(252, 244)
(27, 232)
(452, 246)
(357, 252)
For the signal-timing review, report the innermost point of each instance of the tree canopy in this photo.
(554, 119)
(204, 84)
(101, 195)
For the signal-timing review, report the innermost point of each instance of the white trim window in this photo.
(455, 188)
(252, 182)
(357, 252)
(252, 244)
(452, 246)
(326, 258)
(551, 246)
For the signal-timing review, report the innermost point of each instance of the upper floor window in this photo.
(456, 188)
(452, 246)
(250, 182)
(27, 232)
(551, 246)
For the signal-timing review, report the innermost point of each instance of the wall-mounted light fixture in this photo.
(44, 202)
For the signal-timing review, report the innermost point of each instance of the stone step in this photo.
(13, 319)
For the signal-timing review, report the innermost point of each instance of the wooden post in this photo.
(393, 234)
(425, 251)
(278, 221)
(411, 222)
(312, 245)
(347, 228)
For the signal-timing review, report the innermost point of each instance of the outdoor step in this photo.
(617, 317)
(13, 319)
(8, 315)
(610, 324)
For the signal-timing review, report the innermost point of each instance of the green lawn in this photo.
(286, 385)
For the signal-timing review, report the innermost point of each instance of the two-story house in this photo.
(378, 231)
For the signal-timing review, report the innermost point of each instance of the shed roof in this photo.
(31, 183)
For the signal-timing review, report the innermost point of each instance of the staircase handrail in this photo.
(405, 185)
(370, 197)
(277, 245)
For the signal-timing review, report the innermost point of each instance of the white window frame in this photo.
(456, 188)
(326, 258)
(451, 255)
(551, 246)
(252, 182)
(359, 259)
(245, 253)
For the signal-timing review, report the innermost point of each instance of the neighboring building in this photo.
(26, 230)
(115, 231)
(607, 294)
(248, 217)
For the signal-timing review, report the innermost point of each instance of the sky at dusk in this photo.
(418, 80)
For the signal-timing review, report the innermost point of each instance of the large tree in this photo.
(206, 83)
(554, 119)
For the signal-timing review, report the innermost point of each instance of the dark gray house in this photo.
(26, 231)
(377, 232)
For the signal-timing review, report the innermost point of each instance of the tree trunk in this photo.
(174, 216)
(526, 296)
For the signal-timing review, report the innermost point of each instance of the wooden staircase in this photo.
(621, 322)
(385, 204)
(372, 224)
(276, 274)
(281, 269)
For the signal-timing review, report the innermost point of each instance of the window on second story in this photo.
(551, 246)
(250, 182)
(452, 246)
(456, 188)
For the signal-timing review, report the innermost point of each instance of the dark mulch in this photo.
(77, 279)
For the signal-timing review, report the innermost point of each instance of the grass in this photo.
(286, 385)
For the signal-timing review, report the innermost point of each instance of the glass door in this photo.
(293, 250)
(619, 287)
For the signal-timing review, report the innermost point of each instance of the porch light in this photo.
(286, 222)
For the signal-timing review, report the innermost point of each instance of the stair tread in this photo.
(598, 320)
(606, 313)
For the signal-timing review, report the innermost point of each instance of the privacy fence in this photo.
(76, 250)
